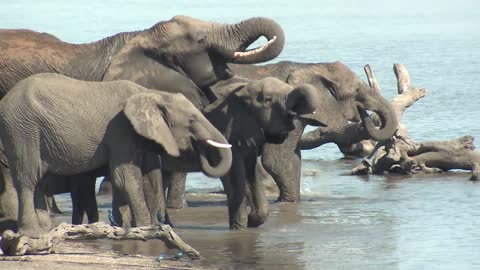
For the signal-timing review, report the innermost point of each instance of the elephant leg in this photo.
(235, 188)
(25, 178)
(77, 210)
(82, 191)
(52, 205)
(153, 188)
(283, 163)
(90, 205)
(176, 189)
(8, 194)
(127, 179)
(258, 199)
(41, 207)
(121, 215)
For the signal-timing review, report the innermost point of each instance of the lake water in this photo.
(343, 222)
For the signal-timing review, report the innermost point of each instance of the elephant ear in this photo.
(144, 111)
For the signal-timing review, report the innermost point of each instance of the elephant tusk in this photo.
(256, 50)
(219, 145)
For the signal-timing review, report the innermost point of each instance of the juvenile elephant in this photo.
(249, 115)
(50, 123)
(343, 100)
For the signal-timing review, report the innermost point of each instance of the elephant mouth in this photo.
(276, 138)
(376, 119)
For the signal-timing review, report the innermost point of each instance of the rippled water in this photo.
(343, 222)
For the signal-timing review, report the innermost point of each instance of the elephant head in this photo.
(171, 121)
(185, 53)
(269, 106)
(343, 93)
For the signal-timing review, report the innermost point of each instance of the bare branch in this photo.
(371, 78)
(17, 244)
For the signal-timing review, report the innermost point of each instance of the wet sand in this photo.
(108, 254)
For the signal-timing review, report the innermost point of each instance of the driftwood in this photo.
(16, 244)
(402, 155)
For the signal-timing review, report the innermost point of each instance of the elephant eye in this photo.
(332, 92)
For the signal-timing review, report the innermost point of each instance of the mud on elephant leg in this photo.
(175, 182)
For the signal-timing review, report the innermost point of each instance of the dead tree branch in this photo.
(16, 244)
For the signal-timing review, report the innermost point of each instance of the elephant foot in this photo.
(238, 226)
(287, 199)
(177, 204)
(255, 220)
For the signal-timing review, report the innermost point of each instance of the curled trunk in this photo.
(376, 102)
(214, 152)
(234, 39)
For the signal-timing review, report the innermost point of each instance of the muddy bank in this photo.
(112, 254)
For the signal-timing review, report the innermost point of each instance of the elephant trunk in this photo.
(234, 39)
(385, 112)
(302, 102)
(214, 151)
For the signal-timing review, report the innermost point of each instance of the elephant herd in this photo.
(146, 107)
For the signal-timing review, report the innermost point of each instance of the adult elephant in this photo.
(344, 99)
(348, 99)
(183, 55)
(53, 124)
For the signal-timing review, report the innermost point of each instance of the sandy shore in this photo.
(92, 255)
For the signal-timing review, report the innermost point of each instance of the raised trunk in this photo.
(234, 39)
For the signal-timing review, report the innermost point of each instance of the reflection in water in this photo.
(343, 222)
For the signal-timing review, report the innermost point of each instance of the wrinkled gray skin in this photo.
(251, 114)
(182, 55)
(81, 188)
(342, 97)
(52, 124)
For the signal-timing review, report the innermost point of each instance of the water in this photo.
(344, 222)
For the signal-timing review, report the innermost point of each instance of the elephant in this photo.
(250, 114)
(343, 99)
(50, 123)
(183, 54)
(81, 188)
(348, 98)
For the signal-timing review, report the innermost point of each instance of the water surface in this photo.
(343, 222)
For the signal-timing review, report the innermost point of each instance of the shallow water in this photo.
(343, 222)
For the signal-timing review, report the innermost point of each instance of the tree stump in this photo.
(14, 244)
(402, 155)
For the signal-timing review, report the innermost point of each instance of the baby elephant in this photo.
(54, 124)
